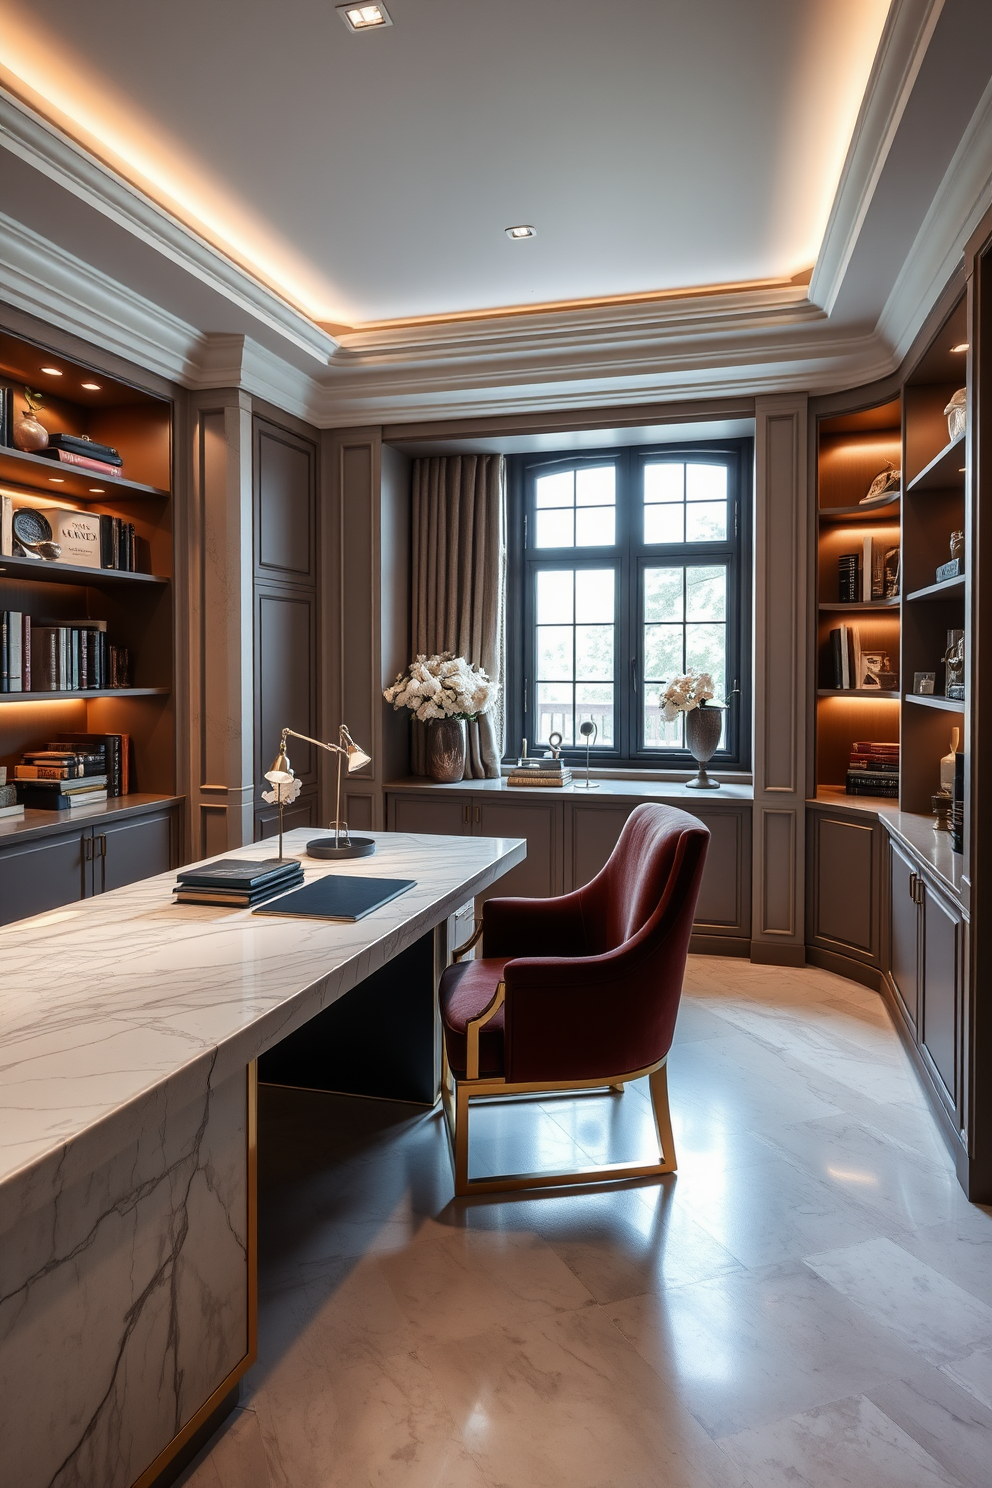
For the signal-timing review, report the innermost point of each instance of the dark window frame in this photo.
(631, 556)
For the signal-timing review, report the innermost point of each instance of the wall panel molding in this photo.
(780, 590)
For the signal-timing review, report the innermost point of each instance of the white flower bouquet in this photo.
(445, 686)
(690, 690)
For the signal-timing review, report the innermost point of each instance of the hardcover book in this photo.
(242, 874)
(336, 897)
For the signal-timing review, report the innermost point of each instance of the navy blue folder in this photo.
(338, 896)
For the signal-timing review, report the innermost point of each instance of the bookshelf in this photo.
(138, 607)
(851, 450)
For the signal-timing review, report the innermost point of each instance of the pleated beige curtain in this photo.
(458, 585)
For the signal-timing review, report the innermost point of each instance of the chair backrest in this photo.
(645, 870)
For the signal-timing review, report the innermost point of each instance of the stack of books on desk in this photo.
(873, 769)
(238, 882)
(540, 772)
(61, 778)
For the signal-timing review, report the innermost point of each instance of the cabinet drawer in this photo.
(437, 815)
(41, 875)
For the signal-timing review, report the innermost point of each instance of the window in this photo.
(627, 567)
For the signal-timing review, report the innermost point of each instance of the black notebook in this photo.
(238, 873)
(337, 897)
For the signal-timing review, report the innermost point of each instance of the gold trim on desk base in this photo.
(153, 1472)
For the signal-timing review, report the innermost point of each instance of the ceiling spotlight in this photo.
(57, 480)
(364, 17)
(961, 346)
(91, 387)
(52, 371)
(523, 231)
(96, 490)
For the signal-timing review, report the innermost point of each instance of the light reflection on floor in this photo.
(808, 1303)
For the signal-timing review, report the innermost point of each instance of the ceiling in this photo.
(654, 144)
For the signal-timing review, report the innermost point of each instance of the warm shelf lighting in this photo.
(51, 371)
(92, 387)
(961, 346)
(364, 17)
(517, 234)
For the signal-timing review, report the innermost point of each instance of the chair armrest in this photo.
(533, 927)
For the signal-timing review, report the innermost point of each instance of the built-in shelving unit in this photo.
(945, 704)
(852, 449)
(137, 607)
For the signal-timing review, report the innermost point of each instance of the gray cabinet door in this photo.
(137, 847)
(940, 1014)
(843, 886)
(438, 815)
(43, 874)
(592, 838)
(904, 932)
(539, 875)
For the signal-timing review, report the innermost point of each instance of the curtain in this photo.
(457, 593)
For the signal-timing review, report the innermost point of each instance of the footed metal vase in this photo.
(703, 727)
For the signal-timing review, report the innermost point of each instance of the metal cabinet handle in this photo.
(913, 881)
(466, 815)
(921, 890)
(87, 849)
(478, 814)
(103, 845)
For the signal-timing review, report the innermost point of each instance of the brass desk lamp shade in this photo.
(342, 844)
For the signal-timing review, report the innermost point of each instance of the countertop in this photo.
(117, 1007)
(35, 824)
(645, 790)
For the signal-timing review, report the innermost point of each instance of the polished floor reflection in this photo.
(809, 1302)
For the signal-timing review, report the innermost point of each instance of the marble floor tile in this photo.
(937, 1317)
(236, 1455)
(946, 1420)
(566, 1401)
(974, 1373)
(748, 1348)
(757, 1320)
(850, 1444)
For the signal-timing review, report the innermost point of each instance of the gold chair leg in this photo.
(658, 1081)
(460, 1146)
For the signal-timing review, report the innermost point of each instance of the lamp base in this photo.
(323, 847)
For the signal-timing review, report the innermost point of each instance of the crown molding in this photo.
(238, 361)
(34, 139)
(909, 27)
(961, 201)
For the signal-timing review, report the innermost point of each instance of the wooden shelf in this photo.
(885, 512)
(47, 572)
(947, 590)
(38, 474)
(861, 605)
(949, 705)
(944, 471)
(855, 692)
(76, 697)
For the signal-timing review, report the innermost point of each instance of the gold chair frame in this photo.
(456, 1095)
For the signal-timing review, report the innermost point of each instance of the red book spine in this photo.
(68, 457)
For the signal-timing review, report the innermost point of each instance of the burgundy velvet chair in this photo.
(578, 991)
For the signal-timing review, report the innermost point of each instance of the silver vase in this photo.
(446, 749)
(702, 735)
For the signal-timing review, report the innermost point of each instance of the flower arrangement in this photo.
(690, 690)
(444, 686)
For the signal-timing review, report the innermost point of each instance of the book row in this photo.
(869, 575)
(851, 666)
(59, 656)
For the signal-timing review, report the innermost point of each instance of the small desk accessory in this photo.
(336, 896)
(589, 732)
(342, 845)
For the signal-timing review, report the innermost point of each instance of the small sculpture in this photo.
(957, 414)
(953, 660)
(886, 484)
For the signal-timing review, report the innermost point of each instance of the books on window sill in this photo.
(59, 656)
(238, 883)
(873, 769)
(88, 539)
(543, 772)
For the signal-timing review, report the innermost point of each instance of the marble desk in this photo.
(129, 1031)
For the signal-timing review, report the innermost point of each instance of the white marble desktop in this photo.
(105, 1000)
(127, 1024)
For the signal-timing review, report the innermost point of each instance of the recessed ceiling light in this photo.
(961, 346)
(96, 490)
(364, 17)
(52, 371)
(57, 480)
(523, 231)
(92, 387)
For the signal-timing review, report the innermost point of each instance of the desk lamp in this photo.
(342, 845)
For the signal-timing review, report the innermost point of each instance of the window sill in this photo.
(616, 787)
